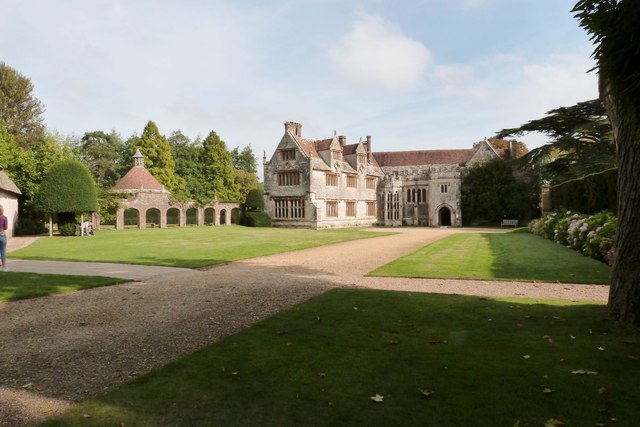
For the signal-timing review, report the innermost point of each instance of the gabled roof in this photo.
(138, 178)
(423, 157)
(6, 184)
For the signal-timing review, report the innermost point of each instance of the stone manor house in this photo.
(328, 183)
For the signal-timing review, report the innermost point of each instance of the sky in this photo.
(413, 74)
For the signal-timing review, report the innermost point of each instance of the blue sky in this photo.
(427, 74)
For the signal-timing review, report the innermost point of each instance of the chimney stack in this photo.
(294, 128)
(342, 140)
(369, 147)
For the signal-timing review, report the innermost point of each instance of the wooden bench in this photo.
(509, 223)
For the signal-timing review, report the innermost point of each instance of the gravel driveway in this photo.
(66, 348)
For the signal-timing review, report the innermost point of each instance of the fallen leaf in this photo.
(526, 356)
(330, 403)
(584, 372)
(572, 337)
(563, 360)
(552, 422)
(600, 348)
(377, 398)
(281, 332)
(322, 375)
(234, 373)
(319, 318)
(548, 390)
(86, 416)
(425, 393)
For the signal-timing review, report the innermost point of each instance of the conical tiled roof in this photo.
(138, 178)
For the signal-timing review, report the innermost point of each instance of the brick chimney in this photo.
(294, 128)
(342, 140)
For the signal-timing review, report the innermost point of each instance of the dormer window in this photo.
(288, 154)
(336, 156)
(362, 158)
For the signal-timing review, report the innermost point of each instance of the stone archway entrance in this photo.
(444, 217)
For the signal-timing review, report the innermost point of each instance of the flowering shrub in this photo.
(592, 235)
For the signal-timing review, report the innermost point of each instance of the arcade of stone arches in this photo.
(135, 215)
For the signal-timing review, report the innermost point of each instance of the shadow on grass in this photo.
(482, 362)
(521, 255)
(15, 286)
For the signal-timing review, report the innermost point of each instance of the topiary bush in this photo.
(255, 201)
(255, 219)
(68, 229)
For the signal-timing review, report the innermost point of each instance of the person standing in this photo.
(4, 225)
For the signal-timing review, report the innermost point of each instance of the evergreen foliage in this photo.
(254, 201)
(244, 160)
(158, 158)
(217, 170)
(589, 195)
(67, 187)
(102, 152)
(255, 219)
(20, 111)
(491, 192)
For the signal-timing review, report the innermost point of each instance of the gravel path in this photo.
(66, 348)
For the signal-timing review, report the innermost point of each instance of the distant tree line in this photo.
(192, 169)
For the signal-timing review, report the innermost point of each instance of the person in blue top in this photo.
(4, 225)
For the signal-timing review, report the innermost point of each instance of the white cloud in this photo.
(375, 52)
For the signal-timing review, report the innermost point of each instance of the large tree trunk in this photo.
(624, 295)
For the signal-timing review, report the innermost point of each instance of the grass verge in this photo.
(435, 360)
(189, 247)
(498, 256)
(15, 286)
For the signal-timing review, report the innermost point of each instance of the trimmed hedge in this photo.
(255, 219)
(591, 194)
(255, 201)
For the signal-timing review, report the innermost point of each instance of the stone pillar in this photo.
(545, 199)
(216, 215)
(120, 219)
(182, 217)
(200, 217)
(142, 218)
(163, 218)
(227, 216)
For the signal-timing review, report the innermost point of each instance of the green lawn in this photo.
(14, 286)
(189, 247)
(440, 360)
(498, 256)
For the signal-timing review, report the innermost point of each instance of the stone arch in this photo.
(131, 218)
(223, 217)
(173, 217)
(209, 216)
(191, 217)
(235, 216)
(152, 218)
(445, 216)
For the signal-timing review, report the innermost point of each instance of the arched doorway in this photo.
(445, 217)
(153, 217)
(192, 216)
(235, 216)
(223, 217)
(131, 217)
(173, 217)
(209, 216)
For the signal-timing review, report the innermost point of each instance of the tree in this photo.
(244, 160)
(20, 111)
(254, 201)
(158, 158)
(67, 189)
(513, 149)
(581, 142)
(613, 25)
(187, 157)
(491, 192)
(217, 169)
(102, 152)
